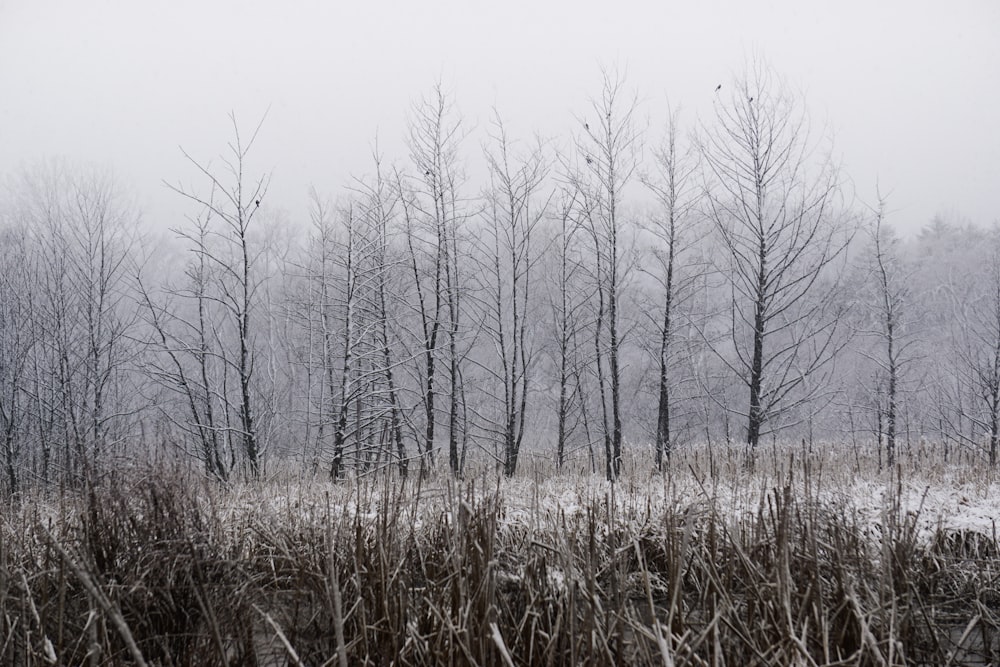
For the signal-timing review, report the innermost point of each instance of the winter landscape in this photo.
(650, 359)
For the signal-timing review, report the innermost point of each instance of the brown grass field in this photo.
(810, 558)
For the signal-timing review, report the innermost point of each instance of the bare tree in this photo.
(234, 202)
(16, 345)
(343, 393)
(313, 301)
(672, 183)
(81, 232)
(889, 300)
(184, 337)
(609, 151)
(432, 214)
(340, 279)
(381, 203)
(367, 410)
(508, 255)
(774, 219)
(567, 304)
(974, 333)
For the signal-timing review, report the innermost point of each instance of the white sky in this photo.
(910, 89)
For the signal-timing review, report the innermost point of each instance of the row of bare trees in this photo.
(66, 326)
(615, 292)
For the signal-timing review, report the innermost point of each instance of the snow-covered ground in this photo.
(959, 498)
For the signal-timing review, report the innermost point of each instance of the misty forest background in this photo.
(627, 289)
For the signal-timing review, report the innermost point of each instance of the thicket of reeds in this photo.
(708, 564)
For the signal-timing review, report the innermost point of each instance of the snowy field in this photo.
(959, 496)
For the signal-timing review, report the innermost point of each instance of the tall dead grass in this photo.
(711, 564)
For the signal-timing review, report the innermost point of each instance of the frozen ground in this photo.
(954, 498)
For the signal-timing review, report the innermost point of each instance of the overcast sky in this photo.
(909, 89)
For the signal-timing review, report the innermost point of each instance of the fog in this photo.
(907, 90)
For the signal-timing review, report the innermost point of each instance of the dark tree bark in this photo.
(671, 183)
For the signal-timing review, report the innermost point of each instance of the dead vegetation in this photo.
(774, 567)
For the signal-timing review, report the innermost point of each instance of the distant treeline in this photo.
(631, 286)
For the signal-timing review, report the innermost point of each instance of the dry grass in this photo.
(814, 559)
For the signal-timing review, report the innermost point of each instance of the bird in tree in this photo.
(257, 202)
(586, 126)
(718, 88)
